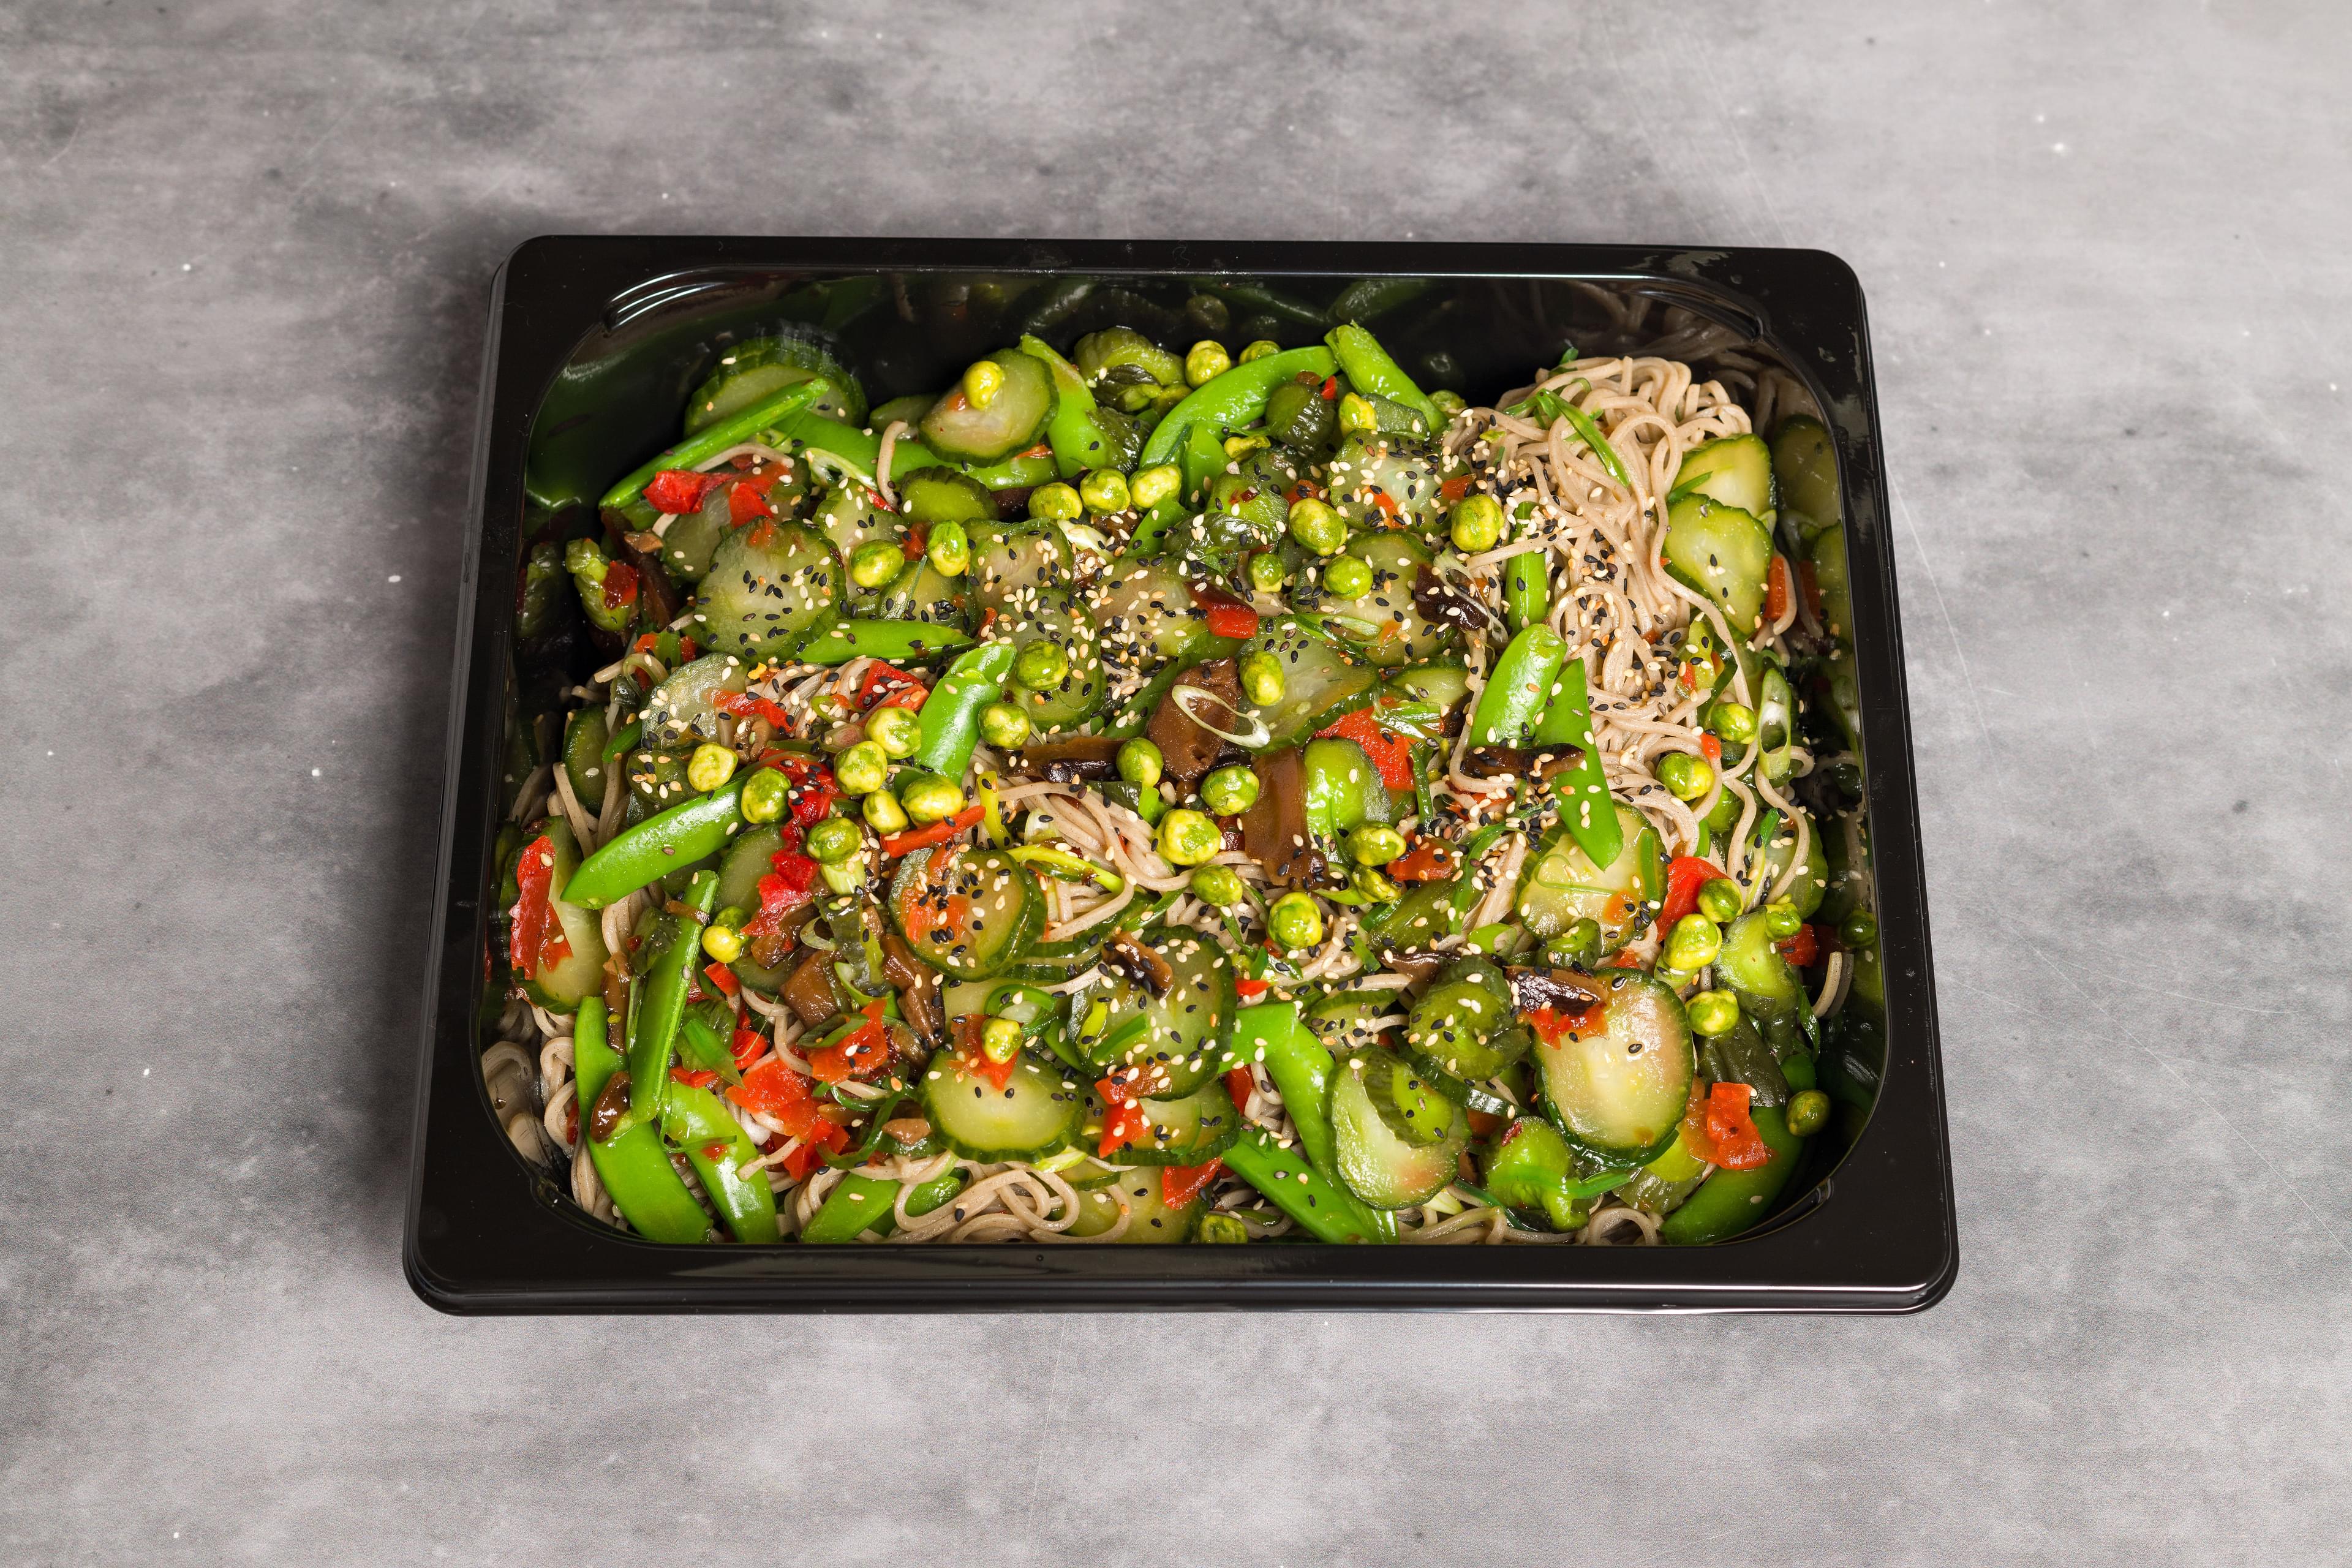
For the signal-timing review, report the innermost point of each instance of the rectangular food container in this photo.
(593, 345)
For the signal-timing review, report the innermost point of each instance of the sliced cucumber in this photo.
(1564, 887)
(1828, 554)
(1052, 963)
(1012, 419)
(1768, 987)
(848, 518)
(1386, 482)
(921, 591)
(970, 913)
(759, 369)
(1734, 470)
(1384, 1150)
(1010, 560)
(678, 712)
(759, 598)
(560, 987)
(1620, 1088)
(942, 495)
(1343, 1020)
(691, 539)
(1417, 919)
(1464, 1025)
(1441, 685)
(1403, 635)
(583, 756)
(1248, 508)
(1049, 615)
(1176, 1052)
(1723, 553)
(1805, 462)
(1812, 882)
(1320, 681)
(1036, 1113)
(1190, 1130)
(749, 857)
(1149, 1217)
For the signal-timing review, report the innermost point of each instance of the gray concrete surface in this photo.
(245, 252)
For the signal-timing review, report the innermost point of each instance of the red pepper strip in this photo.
(676, 490)
(1381, 499)
(1238, 1082)
(1249, 990)
(1625, 960)
(863, 1050)
(696, 1077)
(918, 541)
(1803, 950)
(1427, 861)
(1390, 755)
(974, 1060)
(881, 676)
(1227, 617)
(744, 502)
(1685, 875)
(620, 584)
(1042, 449)
(781, 891)
(749, 1045)
(814, 788)
(1124, 1124)
(1776, 588)
(762, 534)
(1331, 389)
(1720, 1131)
(825, 1137)
(719, 976)
(896, 844)
(536, 943)
(778, 1093)
(743, 704)
(1708, 744)
(1552, 1025)
(1179, 1185)
(1455, 488)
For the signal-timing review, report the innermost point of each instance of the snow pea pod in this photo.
(860, 449)
(680, 836)
(717, 1148)
(894, 642)
(1568, 721)
(631, 1164)
(863, 1204)
(951, 714)
(1527, 589)
(1230, 401)
(1077, 441)
(661, 1003)
(732, 431)
(1731, 1201)
(1518, 689)
(1370, 369)
(1271, 1034)
(1328, 1211)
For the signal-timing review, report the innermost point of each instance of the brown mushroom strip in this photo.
(1513, 762)
(609, 1106)
(907, 1131)
(1442, 603)
(1189, 749)
(809, 993)
(1564, 990)
(1125, 953)
(768, 948)
(1274, 830)
(654, 590)
(918, 987)
(1073, 761)
(1419, 964)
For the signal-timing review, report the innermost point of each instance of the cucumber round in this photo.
(1049, 615)
(921, 591)
(1464, 1024)
(1404, 635)
(1723, 553)
(585, 737)
(1036, 1114)
(1009, 562)
(1177, 1053)
(1755, 969)
(1383, 482)
(848, 518)
(1248, 508)
(1828, 554)
(562, 985)
(1441, 685)
(1190, 1130)
(954, 429)
(942, 495)
(1565, 886)
(1805, 463)
(1813, 880)
(969, 914)
(1734, 470)
(1621, 1087)
(1321, 680)
(691, 539)
(1383, 1160)
(750, 856)
(759, 598)
(1150, 1218)
(760, 368)
(678, 712)
(1342, 1020)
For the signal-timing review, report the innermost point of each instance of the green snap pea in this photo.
(1808, 1112)
(1730, 1202)
(854, 448)
(717, 1148)
(951, 714)
(1271, 1034)
(732, 431)
(686, 832)
(863, 1204)
(1072, 430)
(631, 1164)
(661, 1003)
(1326, 1210)
(895, 642)
(1527, 589)
(1518, 689)
(1584, 802)
(1232, 400)
(1370, 369)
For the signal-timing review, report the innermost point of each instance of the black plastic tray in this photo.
(596, 341)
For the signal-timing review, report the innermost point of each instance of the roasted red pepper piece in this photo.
(1803, 950)
(1179, 1185)
(744, 502)
(535, 940)
(1685, 875)
(681, 490)
(620, 584)
(1427, 861)
(1389, 753)
(1125, 1120)
(1719, 1130)
(914, 838)
(1226, 615)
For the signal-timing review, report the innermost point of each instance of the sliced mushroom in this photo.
(1562, 990)
(1189, 749)
(1125, 953)
(1516, 761)
(918, 987)
(1073, 761)
(809, 993)
(1274, 830)
(610, 1107)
